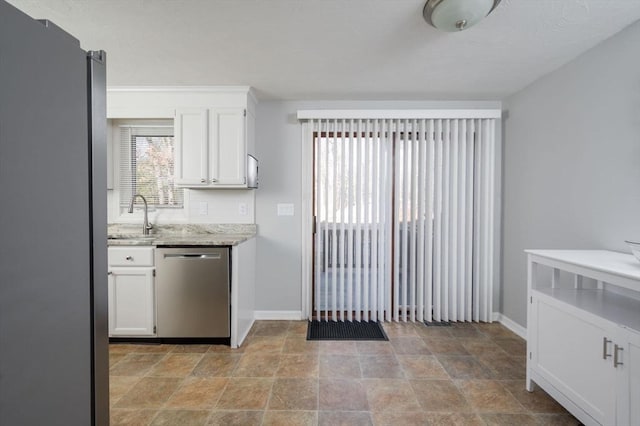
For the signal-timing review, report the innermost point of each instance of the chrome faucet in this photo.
(146, 226)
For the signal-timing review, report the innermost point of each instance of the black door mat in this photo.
(437, 324)
(345, 330)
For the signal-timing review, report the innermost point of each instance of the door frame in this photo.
(306, 162)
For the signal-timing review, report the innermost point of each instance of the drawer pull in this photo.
(605, 342)
(129, 258)
(616, 357)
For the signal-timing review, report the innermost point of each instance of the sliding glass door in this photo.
(403, 214)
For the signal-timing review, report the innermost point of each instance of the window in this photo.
(146, 165)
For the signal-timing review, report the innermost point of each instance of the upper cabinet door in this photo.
(228, 155)
(192, 145)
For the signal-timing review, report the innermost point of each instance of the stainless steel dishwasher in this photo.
(192, 292)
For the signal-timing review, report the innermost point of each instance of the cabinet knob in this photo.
(109, 273)
(129, 258)
(203, 180)
(214, 180)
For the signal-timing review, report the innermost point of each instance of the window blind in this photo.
(147, 165)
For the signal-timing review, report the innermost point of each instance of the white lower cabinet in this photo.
(583, 340)
(569, 355)
(131, 294)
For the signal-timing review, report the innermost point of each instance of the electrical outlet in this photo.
(203, 208)
(242, 209)
(285, 209)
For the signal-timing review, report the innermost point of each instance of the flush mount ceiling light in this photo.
(457, 15)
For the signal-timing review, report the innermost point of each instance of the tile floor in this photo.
(467, 374)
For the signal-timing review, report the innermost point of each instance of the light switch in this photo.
(203, 208)
(285, 209)
(242, 209)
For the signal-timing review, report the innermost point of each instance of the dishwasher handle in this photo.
(193, 255)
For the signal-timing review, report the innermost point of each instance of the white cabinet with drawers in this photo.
(131, 291)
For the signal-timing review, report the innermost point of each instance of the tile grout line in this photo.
(184, 379)
(147, 375)
(224, 389)
(214, 408)
(143, 376)
(273, 380)
(456, 383)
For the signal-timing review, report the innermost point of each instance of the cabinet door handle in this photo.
(129, 258)
(109, 273)
(605, 342)
(616, 358)
(214, 180)
(203, 180)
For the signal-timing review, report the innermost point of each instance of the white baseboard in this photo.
(278, 315)
(297, 316)
(510, 324)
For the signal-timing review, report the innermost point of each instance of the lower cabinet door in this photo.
(570, 354)
(628, 373)
(131, 302)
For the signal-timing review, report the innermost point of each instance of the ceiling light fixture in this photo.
(457, 15)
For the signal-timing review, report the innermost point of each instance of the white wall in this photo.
(572, 161)
(222, 206)
(278, 147)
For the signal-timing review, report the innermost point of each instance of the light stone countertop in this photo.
(181, 235)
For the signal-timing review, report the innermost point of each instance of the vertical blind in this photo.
(404, 219)
(352, 188)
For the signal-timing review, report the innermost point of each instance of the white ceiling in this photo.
(334, 49)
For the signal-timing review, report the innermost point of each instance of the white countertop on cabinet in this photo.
(621, 268)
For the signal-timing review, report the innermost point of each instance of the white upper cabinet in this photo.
(211, 147)
(191, 127)
(214, 129)
(228, 152)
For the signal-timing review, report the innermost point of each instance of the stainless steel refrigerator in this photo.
(53, 288)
